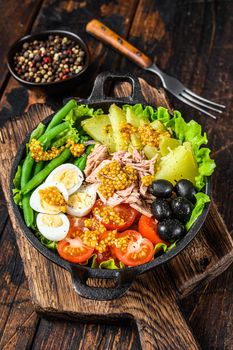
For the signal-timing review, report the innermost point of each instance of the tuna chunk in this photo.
(98, 154)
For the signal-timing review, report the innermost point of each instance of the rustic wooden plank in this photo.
(16, 20)
(217, 300)
(59, 305)
(52, 300)
(53, 334)
(171, 46)
(17, 316)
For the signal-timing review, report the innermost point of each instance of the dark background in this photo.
(191, 40)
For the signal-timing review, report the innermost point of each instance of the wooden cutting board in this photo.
(152, 303)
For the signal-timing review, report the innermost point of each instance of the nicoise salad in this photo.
(113, 189)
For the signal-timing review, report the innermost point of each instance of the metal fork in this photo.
(173, 85)
(176, 88)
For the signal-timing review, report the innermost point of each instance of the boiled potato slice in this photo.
(178, 164)
(118, 121)
(166, 144)
(100, 129)
(157, 125)
(150, 151)
(134, 119)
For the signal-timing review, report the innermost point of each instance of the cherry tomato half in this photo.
(108, 253)
(123, 210)
(135, 249)
(148, 229)
(72, 248)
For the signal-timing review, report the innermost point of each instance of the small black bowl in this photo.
(53, 86)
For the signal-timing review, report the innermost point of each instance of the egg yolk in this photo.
(50, 197)
(80, 199)
(52, 220)
(67, 177)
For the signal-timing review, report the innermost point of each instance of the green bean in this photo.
(39, 177)
(49, 135)
(38, 167)
(81, 162)
(60, 115)
(62, 140)
(89, 149)
(26, 170)
(25, 176)
(28, 212)
(38, 131)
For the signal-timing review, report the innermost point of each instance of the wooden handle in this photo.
(103, 33)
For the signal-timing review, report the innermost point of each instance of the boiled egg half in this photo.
(53, 226)
(81, 202)
(69, 175)
(49, 198)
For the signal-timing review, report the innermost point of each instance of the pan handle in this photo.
(98, 92)
(80, 276)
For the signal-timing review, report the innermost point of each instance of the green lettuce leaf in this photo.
(81, 111)
(17, 197)
(162, 115)
(192, 132)
(108, 264)
(140, 111)
(185, 132)
(172, 246)
(201, 200)
(160, 246)
(46, 242)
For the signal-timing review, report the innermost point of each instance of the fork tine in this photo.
(192, 99)
(195, 106)
(204, 99)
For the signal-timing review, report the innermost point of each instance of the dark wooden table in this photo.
(191, 40)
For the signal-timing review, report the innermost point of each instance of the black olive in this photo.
(162, 188)
(181, 208)
(161, 209)
(185, 188)
(170, 230)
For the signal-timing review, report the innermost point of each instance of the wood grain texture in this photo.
(16, 19)
(106, 35)
(17, 315)
(50, 299)
(159, 28)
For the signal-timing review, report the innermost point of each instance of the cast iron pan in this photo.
(80, 274)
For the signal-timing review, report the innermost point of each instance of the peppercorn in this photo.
(56, 58)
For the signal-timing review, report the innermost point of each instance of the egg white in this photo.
(83, 207)
(35, 201)
(62, 168)
(52, 233)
